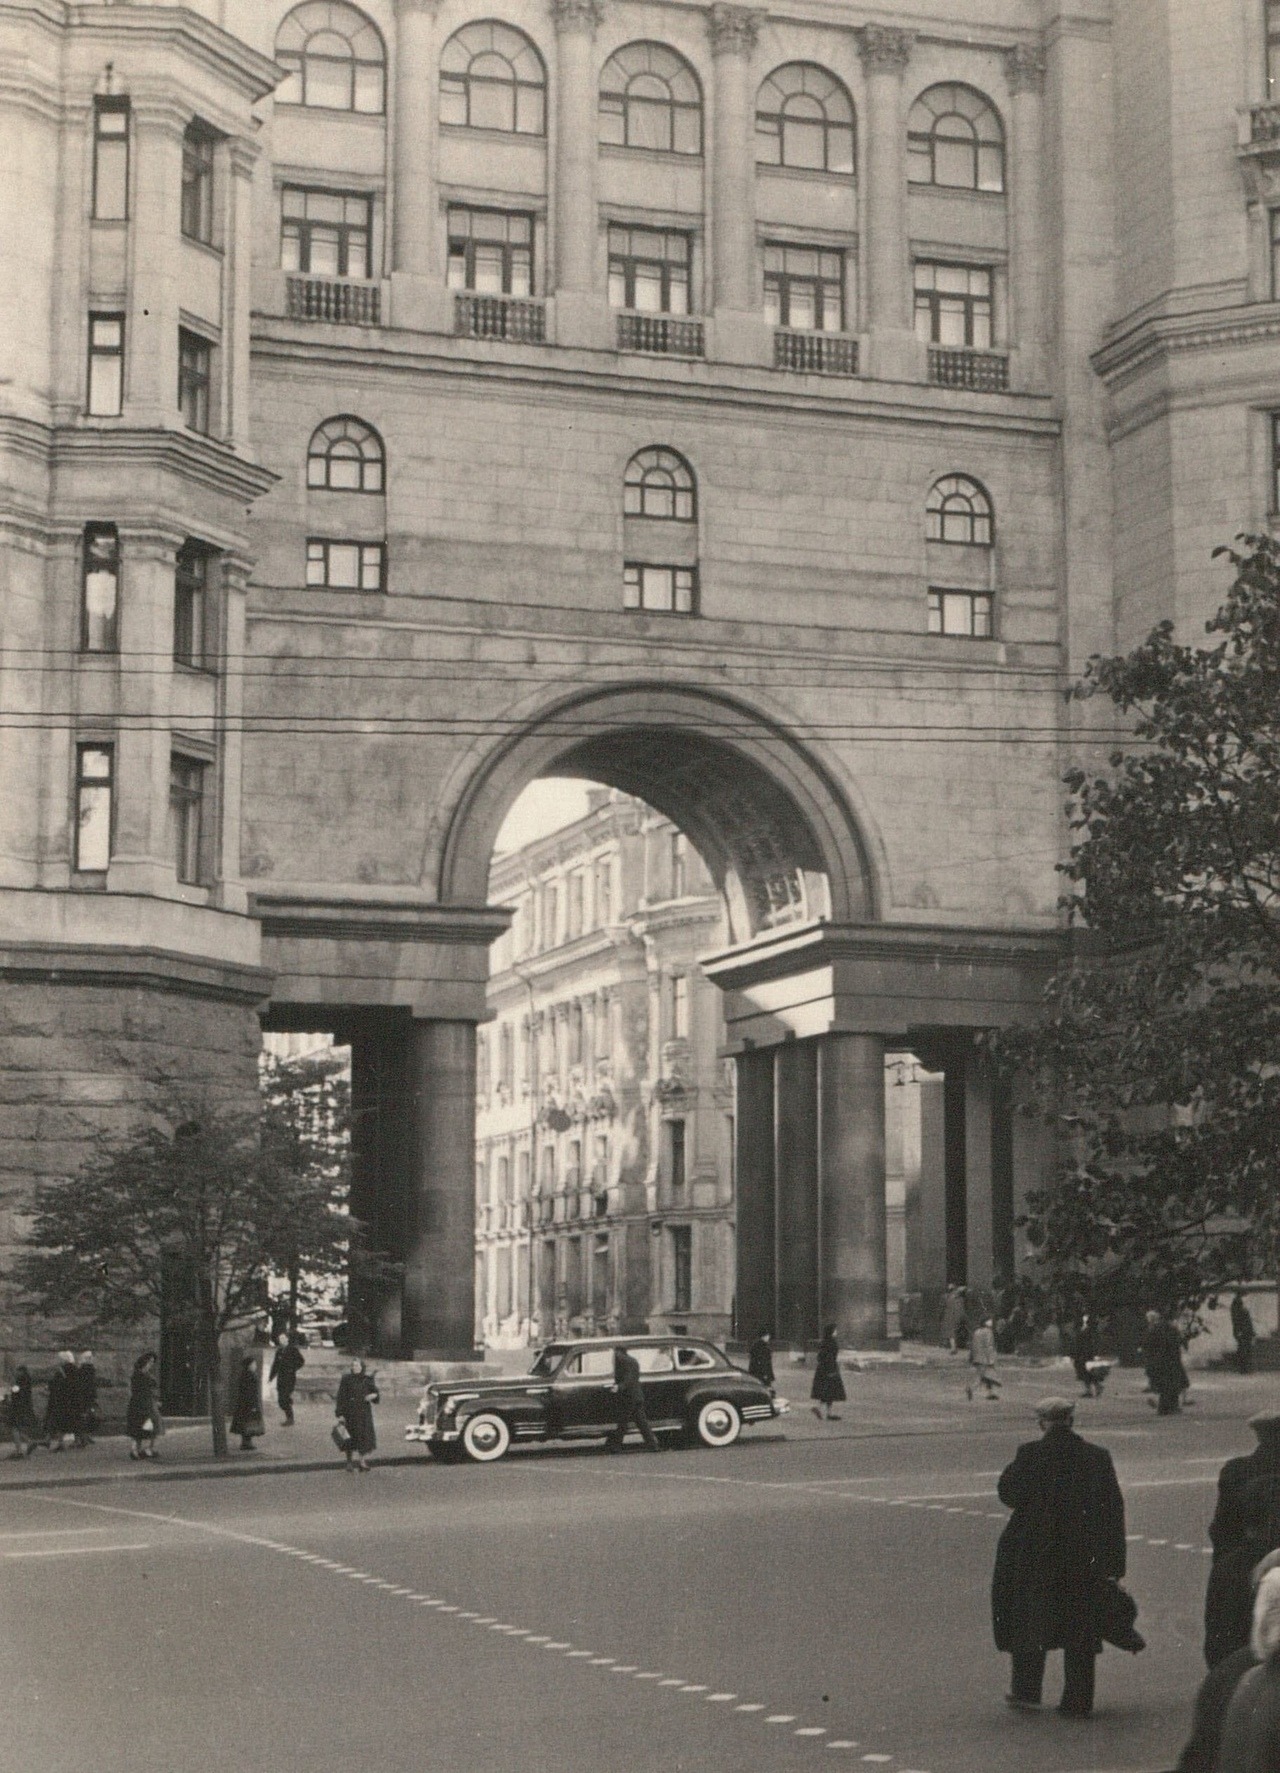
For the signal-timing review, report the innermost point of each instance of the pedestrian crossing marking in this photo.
(782, 1717)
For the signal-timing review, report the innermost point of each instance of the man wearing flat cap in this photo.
(1245, 1525)
(1065, 1538)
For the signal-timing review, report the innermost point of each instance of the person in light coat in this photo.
(982, 1359)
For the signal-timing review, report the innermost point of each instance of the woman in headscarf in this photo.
(353, 1408)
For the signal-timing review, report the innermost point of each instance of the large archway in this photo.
(767, 814)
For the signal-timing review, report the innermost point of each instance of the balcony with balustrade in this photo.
(661, 335)
(985, 372)
(514, 318)
(815, 353)
(336, 300)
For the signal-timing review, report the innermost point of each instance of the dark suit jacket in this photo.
(626, 1376)
(1066, 1532)
(1233, 1517)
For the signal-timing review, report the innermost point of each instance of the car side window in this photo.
(693, 1357)
(589, 1363)
(653, 1360)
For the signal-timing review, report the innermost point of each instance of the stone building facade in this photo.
(604, 1135)
(763, 413)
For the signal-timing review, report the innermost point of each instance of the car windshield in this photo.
(545, 1363)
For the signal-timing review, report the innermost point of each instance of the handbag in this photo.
(341, 1435)
(1114, 1614)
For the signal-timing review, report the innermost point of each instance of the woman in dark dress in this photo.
(246, 1404)
(357, 1395)
(20, 1417)
(142, 1421)
(760, 1359)
(60, 1412)
(828, 1386)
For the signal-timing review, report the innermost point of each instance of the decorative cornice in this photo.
(1120, 358)
(577, 15)
(148, 969)
(283, 915)
(203, 460)
(733, 30)
(1024, 67)
(884, 48)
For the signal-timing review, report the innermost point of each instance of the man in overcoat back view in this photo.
(1065, 1538)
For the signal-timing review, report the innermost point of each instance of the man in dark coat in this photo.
(86, 1398)
(1162, 1357)
(629, 1398)
(760, 1359)
(1243, 1331)
(1245, 1525)
(286, 1363)
(1066, 1536)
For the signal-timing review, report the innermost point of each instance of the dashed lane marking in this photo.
(750, 1709)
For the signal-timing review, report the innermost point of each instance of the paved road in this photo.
(773, 1606)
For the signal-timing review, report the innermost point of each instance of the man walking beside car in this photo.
(629, 1401)
(1064, 1541)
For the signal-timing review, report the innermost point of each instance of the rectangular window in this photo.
(679, 864)
(672, 588)
(191, 606)
(186, 817)
(110, 159)
(675, 1153)
(604, 892)
(576, 899)
(94, 807)
(195, 374)
(197, 183)
(346, 566)
(960, 612)
(106, 365)
(325, 233)
(804, 288)
(649, 270)
(100, 588)
(954, 305)
(679, 1006)
(1273, 50)
(682, 1268)
(490, 251)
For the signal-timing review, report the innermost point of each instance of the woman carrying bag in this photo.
(353, 1430)
(143, 1422)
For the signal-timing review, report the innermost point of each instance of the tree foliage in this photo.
(198, 1203)
(1159, 1052)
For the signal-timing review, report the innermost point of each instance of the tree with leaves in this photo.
(1158, 1056)
(223, 1201)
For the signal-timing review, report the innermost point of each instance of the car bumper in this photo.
(430, 1434)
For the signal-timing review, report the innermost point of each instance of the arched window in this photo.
(804, 117)
(335, 59)
(659, 483)
(492, 77)
(958, 510)
(650, 98)
(955, 139)
(346, 455)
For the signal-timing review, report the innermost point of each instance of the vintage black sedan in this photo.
(691, 1389)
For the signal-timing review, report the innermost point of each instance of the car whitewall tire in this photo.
(717, 1423)
(485, 1437)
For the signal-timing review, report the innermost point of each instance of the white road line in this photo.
(399, 1592)
(73, 1551)
(49, 1532)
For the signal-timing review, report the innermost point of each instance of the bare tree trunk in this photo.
(217, 1386)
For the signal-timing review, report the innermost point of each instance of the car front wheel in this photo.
(717, 1423)
(485, 1437)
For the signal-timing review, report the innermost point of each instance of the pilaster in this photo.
(1025, 71)
(418, 297)
(894, 352)
(580, 315)
(740, 334)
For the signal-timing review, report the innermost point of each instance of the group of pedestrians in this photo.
(71, 1408)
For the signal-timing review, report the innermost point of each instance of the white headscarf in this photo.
(1266, 1617)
